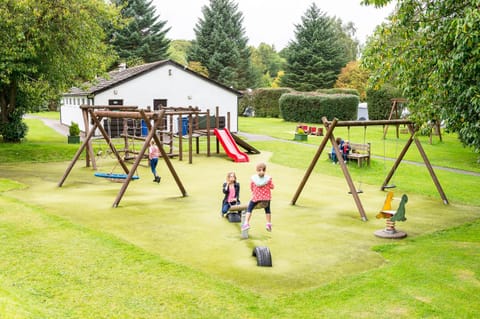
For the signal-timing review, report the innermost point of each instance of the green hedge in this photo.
(339, 91)
(264, 101)
(311, 107)
(380, 102)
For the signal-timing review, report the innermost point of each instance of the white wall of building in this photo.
(179, 87)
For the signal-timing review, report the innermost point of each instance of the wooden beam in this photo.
(77, 155)
(314, 161)
(372, 122)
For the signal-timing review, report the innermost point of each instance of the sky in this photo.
(270, 21)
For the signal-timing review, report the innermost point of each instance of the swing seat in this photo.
(114, 176)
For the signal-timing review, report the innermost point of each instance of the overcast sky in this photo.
(270, 21)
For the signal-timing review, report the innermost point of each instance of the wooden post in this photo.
(314, 161)
(190, 137)
(168, 161)
(429, 166)
(180, 139)
(217, 125)
(77, 155)
(109, 142)
(208, 132)
(89, 156)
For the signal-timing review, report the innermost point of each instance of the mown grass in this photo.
(447, 153)
(66, 254)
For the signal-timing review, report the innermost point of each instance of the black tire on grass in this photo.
(264, 257)
(234, 217)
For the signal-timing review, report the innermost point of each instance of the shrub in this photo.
(339, 91)
(264, 101)
(74, 130)
(380, 102)
(311, 107)
(15, 129)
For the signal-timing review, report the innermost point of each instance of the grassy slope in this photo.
(96, 262)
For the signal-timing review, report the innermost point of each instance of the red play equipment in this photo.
(230, 146)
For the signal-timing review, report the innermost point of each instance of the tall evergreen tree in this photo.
(221, 45)
(143, 39)
(317, 55)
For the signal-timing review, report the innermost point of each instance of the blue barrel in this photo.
(184, 125)
(144, 128)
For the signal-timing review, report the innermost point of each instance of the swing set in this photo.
(97, 115)
(329, 136)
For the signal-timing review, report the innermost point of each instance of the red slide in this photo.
(230, 146)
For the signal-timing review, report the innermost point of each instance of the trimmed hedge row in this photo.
(380, 102)
(311, 107)
(263, 101)
(339, 91)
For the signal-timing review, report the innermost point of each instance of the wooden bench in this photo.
(360, 152)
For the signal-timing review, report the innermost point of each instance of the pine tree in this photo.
(317, 55)
(143, 38)
(221, 45)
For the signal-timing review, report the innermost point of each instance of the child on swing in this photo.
(231, 190)
(261, 186)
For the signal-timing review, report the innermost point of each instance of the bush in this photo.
(74, 130)
(380, 102)
(311, 107)
(264, 101)
(339, 91)
(15, 129)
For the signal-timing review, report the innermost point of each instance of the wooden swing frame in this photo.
(97, 116)
(330, 127)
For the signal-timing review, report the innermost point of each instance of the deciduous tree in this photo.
(45, 47)
(431, 50)
(353, 76)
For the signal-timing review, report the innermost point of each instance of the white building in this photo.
(151, 85)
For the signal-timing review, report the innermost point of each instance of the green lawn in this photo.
(66, 253)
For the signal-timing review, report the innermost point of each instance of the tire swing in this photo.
(263, 255)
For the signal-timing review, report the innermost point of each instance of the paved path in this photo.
(55, 124)
(255, 137)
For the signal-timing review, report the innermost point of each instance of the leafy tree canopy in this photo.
(430, 50)
(178, 50)
(144, 36)
(353, 76)
(266, 63)
(221, 45)
(46, 47)
(315, 57)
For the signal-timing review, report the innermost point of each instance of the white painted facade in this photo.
(165, 80)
